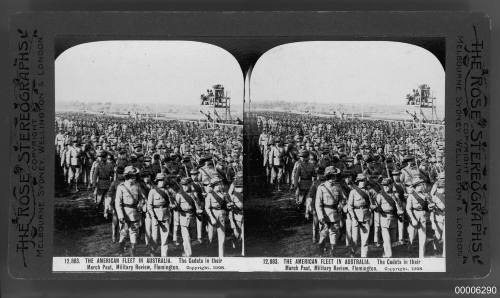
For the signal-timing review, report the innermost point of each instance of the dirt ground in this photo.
(274, 227)
(80, 230)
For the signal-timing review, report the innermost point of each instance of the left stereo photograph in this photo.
(148, 151)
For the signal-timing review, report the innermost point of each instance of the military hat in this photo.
(396, 173)
(194, 172)
(137, 145)
(331, 170)
(349, 159)
(185, 181)
(360, 177)
(130, 170)
(386, 181)
(186, 158)
(160, 176)
(120, 170)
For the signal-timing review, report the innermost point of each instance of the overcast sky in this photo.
(346, 71)
(148, 71)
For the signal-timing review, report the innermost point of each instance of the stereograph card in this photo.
(171, 145)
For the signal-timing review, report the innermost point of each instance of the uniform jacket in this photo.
(128, 201)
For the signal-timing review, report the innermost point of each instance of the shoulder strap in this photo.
(361, 193)
(329, 191)
(219, 200)
(388, 199)
(163, 194)
(189, 199)
(206, 173)
(419, 199)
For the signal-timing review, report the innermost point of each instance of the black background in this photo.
(241, 288)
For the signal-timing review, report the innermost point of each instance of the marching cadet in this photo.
(159, 204)
(128, 203)
(437, 208)
(75, 163)
(311, 204)
(358, 205)
(109, 203)
(389, 208)
(267, 164)
(103, 176)
(399, 189)
(410, 172)
(156, 164)
(188, 210)
(64, 156)
(200, 194)
(347, 187)
(235, 207)
(101, 155)
(146, 221)
(277, 164)
(207, 173)
(418, 210)
(329, 197)
(302, 176)
(216, 209)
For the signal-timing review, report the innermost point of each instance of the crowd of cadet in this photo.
(155, 178)
(359, 181)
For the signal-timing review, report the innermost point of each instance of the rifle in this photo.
(387, 169)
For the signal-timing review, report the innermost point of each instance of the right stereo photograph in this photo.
(346, 155)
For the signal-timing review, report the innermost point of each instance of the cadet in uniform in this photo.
(277, 163)
(235, 207)
(200, 194)
(158, 206)
(188, 210)
(311, 204)
(75, 163)
(437, 208)
(418, 211)
(109, 203)
(302, 176)
(390, 209)
(216, 208)
(103, 176)
(128, 202)
(358, 205)
(400, 190)
(329, 197)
